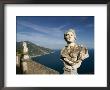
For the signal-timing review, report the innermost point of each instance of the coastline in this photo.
(41, 54)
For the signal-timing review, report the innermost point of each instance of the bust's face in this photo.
(69, 37)
(24, 44)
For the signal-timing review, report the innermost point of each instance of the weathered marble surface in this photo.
(72, 54)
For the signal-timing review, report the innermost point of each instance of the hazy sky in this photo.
(48, 31)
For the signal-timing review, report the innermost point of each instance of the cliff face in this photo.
(34, 50)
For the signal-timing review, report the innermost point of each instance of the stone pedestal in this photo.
(70, 72)
(25, 67)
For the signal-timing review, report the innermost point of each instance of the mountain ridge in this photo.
(33, 49)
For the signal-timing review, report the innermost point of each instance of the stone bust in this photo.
(25, 51)
(72, 54)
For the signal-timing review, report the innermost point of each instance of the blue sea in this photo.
(53, 61)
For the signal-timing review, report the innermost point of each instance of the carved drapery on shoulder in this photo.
(74, 53)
